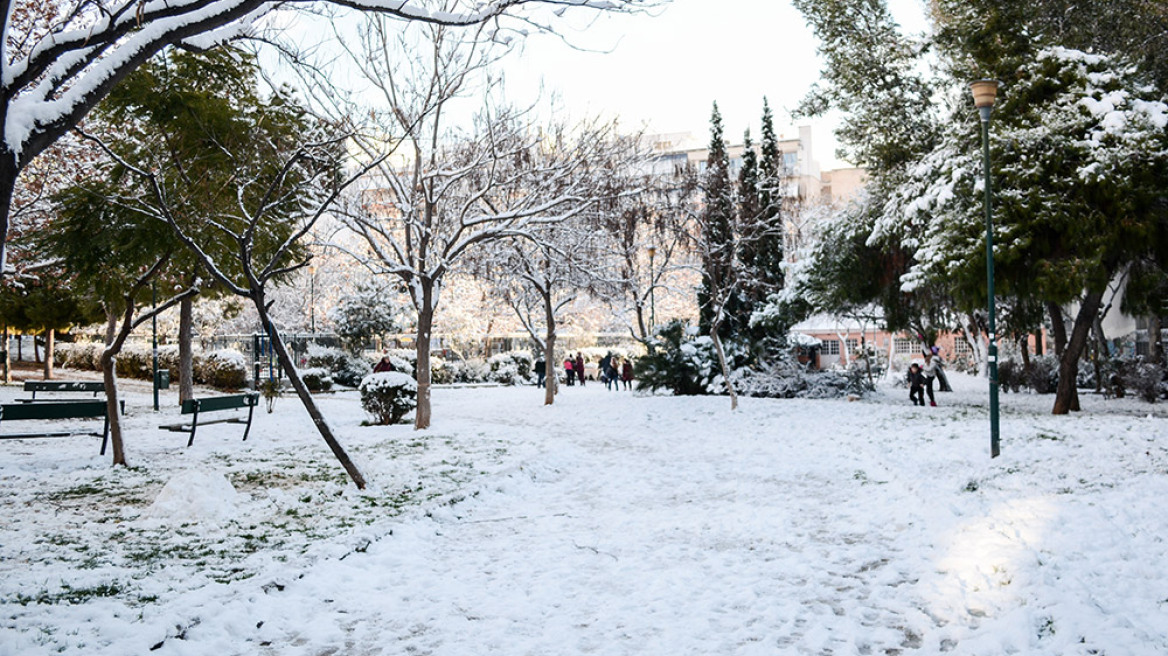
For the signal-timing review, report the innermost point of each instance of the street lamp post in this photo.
(312, 299)
(984, 93)
(652, 287)
(154, 338)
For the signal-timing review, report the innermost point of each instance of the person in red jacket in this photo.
(383, 365)
(627, 373)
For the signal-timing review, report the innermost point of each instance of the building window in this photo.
(853, 346)
(902, 346)
(790, 160)
(961, 346)
(831, 347)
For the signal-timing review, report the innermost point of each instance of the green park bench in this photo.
(197, 407)
(55, 412)
(82, 386)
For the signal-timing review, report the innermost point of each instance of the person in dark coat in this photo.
(540, 372)
(916, 384)
(383, 365)
(578, 367)
(627, 373)
(606, 370)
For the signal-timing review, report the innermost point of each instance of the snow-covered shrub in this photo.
(466, 371)
(84, 356)
(317, 379)
(1042, 377)
(135, 362)
(222, 369)
(344, 368)
(1141, 377)
(388, 396)
(1011, 376)
(685, 363)
(511, 368)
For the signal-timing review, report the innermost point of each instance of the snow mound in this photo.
(195, 496)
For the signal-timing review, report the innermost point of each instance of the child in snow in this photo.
(916, 385)
(929, 371)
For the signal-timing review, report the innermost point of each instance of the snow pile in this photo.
(194, 496)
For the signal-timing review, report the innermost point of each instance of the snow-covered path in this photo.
(623, 524)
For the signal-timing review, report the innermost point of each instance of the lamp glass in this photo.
(984, 92)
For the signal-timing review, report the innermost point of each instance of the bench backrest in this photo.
(63, 386)
(213, 403)
(58, 410)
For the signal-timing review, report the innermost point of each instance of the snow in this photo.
(609, 523)
(194, 496)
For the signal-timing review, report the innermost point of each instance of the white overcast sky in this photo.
(665, 71)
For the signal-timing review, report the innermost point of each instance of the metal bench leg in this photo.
(105, 434)
(194, 425)
(250, 411)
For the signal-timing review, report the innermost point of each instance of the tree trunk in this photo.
(1155, 340)
(111, 326)
(425, 322)
(1067, 394)
(186, 375)
(1024, 349)
(50, 340)
(302, 392)
(722, 363)
(1058, 328)
(9, 172)
(7, 357)
(109, 377)
(549, 356)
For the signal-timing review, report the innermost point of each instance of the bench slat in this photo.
(213, 403)
(63, 386)
(52, 410)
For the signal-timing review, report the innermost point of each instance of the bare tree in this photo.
(61, 57)
(443, 193)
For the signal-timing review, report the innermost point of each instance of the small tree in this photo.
(370, 311)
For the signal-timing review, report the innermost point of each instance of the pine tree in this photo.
(717, 224)
(765, 254)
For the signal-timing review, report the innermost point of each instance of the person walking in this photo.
(540, 372)
(606, 371)
(568, 373)
(929, 370)
(916, 384)
(627, 373)
(578, 366)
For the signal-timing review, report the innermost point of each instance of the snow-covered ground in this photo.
(611, 523)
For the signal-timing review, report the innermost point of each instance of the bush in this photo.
(675, 363)
(1141, 377)
(317, 379)
(343, 368)
(465, 371)
(388, 396)
(222, 369)
(685, 363)
(511, 368)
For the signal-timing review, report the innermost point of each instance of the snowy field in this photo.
(611, 523)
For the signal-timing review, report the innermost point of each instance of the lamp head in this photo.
(984, 93)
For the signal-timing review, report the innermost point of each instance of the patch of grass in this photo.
(71, 595)
(77, 492)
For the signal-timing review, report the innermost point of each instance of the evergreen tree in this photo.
(717, 225)
(764, 255)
